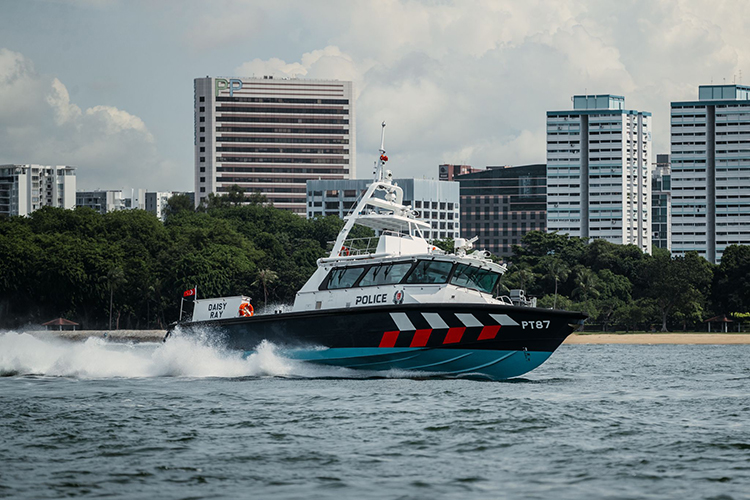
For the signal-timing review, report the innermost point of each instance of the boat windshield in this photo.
(430, 271)
(345, 277)
(385, 274)
(482, 280)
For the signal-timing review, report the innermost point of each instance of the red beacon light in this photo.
(383, 158)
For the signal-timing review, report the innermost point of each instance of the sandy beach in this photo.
(661, 338)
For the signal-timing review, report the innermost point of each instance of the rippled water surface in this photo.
(184, 420)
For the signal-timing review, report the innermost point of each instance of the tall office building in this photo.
(25, 188)
(598, 171)
(501, 204)
(438, 203)
(711, 171)
(270, 136)
(661, 203)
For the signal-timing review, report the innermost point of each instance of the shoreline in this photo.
(659, 338)
(111, 335)
(573, 339)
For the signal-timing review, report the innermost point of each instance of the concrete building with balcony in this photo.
(599, 171)
(156, 203)
(25, 188)
(437, 202)
(710, 165)
(111, 200)
(271, 135)
(103, 200)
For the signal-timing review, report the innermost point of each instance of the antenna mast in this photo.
(383, 158)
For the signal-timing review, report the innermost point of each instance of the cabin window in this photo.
(344, 278)
(482, 280)
(430, 271)
(385, 274)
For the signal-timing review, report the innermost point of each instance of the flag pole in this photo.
(182, 301)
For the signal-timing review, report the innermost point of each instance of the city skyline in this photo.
(106, 85)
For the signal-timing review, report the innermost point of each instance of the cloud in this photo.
(59, 100)
(463, 81)
(328, 63)
(116, 122)
(39, 124)
(471, 81)
(459, 83)
(273, 66)
(231, 22)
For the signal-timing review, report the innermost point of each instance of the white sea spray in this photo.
(180, 356)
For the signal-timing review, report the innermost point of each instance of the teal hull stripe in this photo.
(438, 363)
(495, 365)
(358, 365)
(482, 367)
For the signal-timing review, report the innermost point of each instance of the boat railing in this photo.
(363, 246)
(357, 246)
(505, 300)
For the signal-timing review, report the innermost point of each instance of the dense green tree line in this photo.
(620, 286)
(129, 268)
(80, 264)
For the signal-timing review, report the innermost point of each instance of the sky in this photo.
(107, 85)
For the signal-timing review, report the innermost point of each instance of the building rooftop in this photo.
(274, 79)
(602, 101)
(723, 92)
(505, 171)
(599, 104)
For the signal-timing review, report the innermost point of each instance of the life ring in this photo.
(246, 309)
(345, 252)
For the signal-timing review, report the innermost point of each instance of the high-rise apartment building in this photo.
(598, 171)
(661, 203)
(438, 203)
(271, 135)
(501, 204)
(25, 188)
(711, 171)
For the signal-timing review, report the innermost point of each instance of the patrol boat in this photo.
(397, 302)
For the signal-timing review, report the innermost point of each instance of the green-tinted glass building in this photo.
(502, 204)
(661, 203)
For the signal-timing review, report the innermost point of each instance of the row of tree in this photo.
(620, 286)
(128, 270)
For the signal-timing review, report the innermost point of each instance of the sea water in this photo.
(188, 419)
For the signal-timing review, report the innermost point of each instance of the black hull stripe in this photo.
(501, 328)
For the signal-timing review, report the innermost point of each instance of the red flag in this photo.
(189, 293)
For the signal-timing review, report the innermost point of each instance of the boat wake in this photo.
(200, 356)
